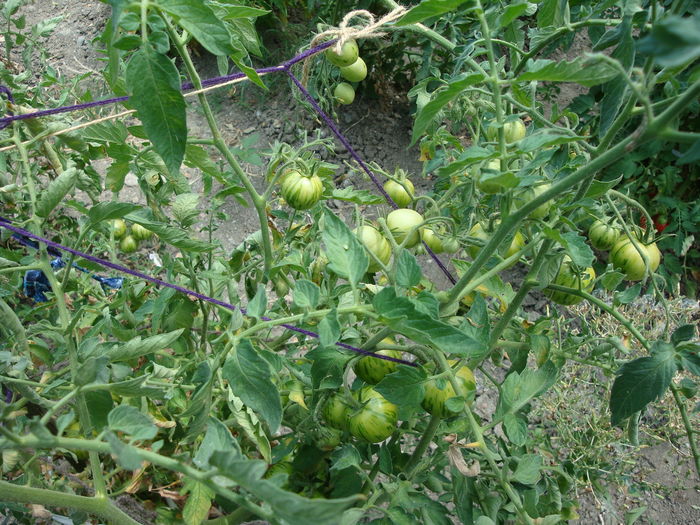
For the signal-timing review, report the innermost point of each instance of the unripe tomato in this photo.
(401, 222)
(355, 72)
(327, 438)
(344, 93)
(300, 191)
(140, 233)
(625, 257)
(376, 420)
(478, 231)
(335, 412)
(603, 236)
(432, 240)
(532, 193)
(437, 392)
(128, 244)
(372, 370)
(513, 131)
(566, 276)
(450, 245)
(400, 195)
(375, 243)
(349, 53)
(119, 228)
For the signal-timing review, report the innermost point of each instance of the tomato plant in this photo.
(234, 376)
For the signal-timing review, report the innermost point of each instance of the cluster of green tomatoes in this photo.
(368, 416)
(352, 69)
(129, 236)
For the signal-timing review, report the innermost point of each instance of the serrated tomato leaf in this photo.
(641, 381)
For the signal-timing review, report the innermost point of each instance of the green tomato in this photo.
(401, 222)
(119, 228)
(625, 257)
(336, 412)
(344, 93)
(327, 438)
(478, 232)
(513, 131)
(300, 191)
(372, 370)
(375, 243)
(349, 53)
(128, 244)
(489, 185)
(566, 276)
(450, 245)
(437, 392)
(432, 239)
(532, 193)
(140, 233)
(355, 72)
(376, 420)
(603, 236)
(400, 195)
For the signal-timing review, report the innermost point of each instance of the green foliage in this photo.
(242, 414)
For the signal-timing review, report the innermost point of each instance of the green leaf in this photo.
(135, 388)
(350, 194)
(519, 388)
(99, 404)
(404, 387)
(477, 325)
(202, 23)
(641, 381)
(553, 13)
(306, 294)
(600, 187)
(528, 469)
(329, 329)
(430, 8)
(401, 315)
(217, 437)
(511, 12)
(611, 280)
(249, 377)
(51, 197)
(614, 91)
(345, 252)
(408, 273)
(167, 233)
(92, 370)
(258, 305)
(515, 428)
(469, 156)
(683, 333)
(106, 211)
(249, 422)
(138, 347)
(428, 112)
(545, 138)
(327, 367)
(588, 71)
(128, 419)
(128, 457)
(673, 41)
(574, 244)
(155, 93)
(692, 154)
(345, 457)
(198, 502)
(628, 295)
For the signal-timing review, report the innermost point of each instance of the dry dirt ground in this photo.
(662, 479)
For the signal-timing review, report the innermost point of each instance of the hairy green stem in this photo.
(419, 451)
(690, 432)
(96, 505)
(258, 201)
